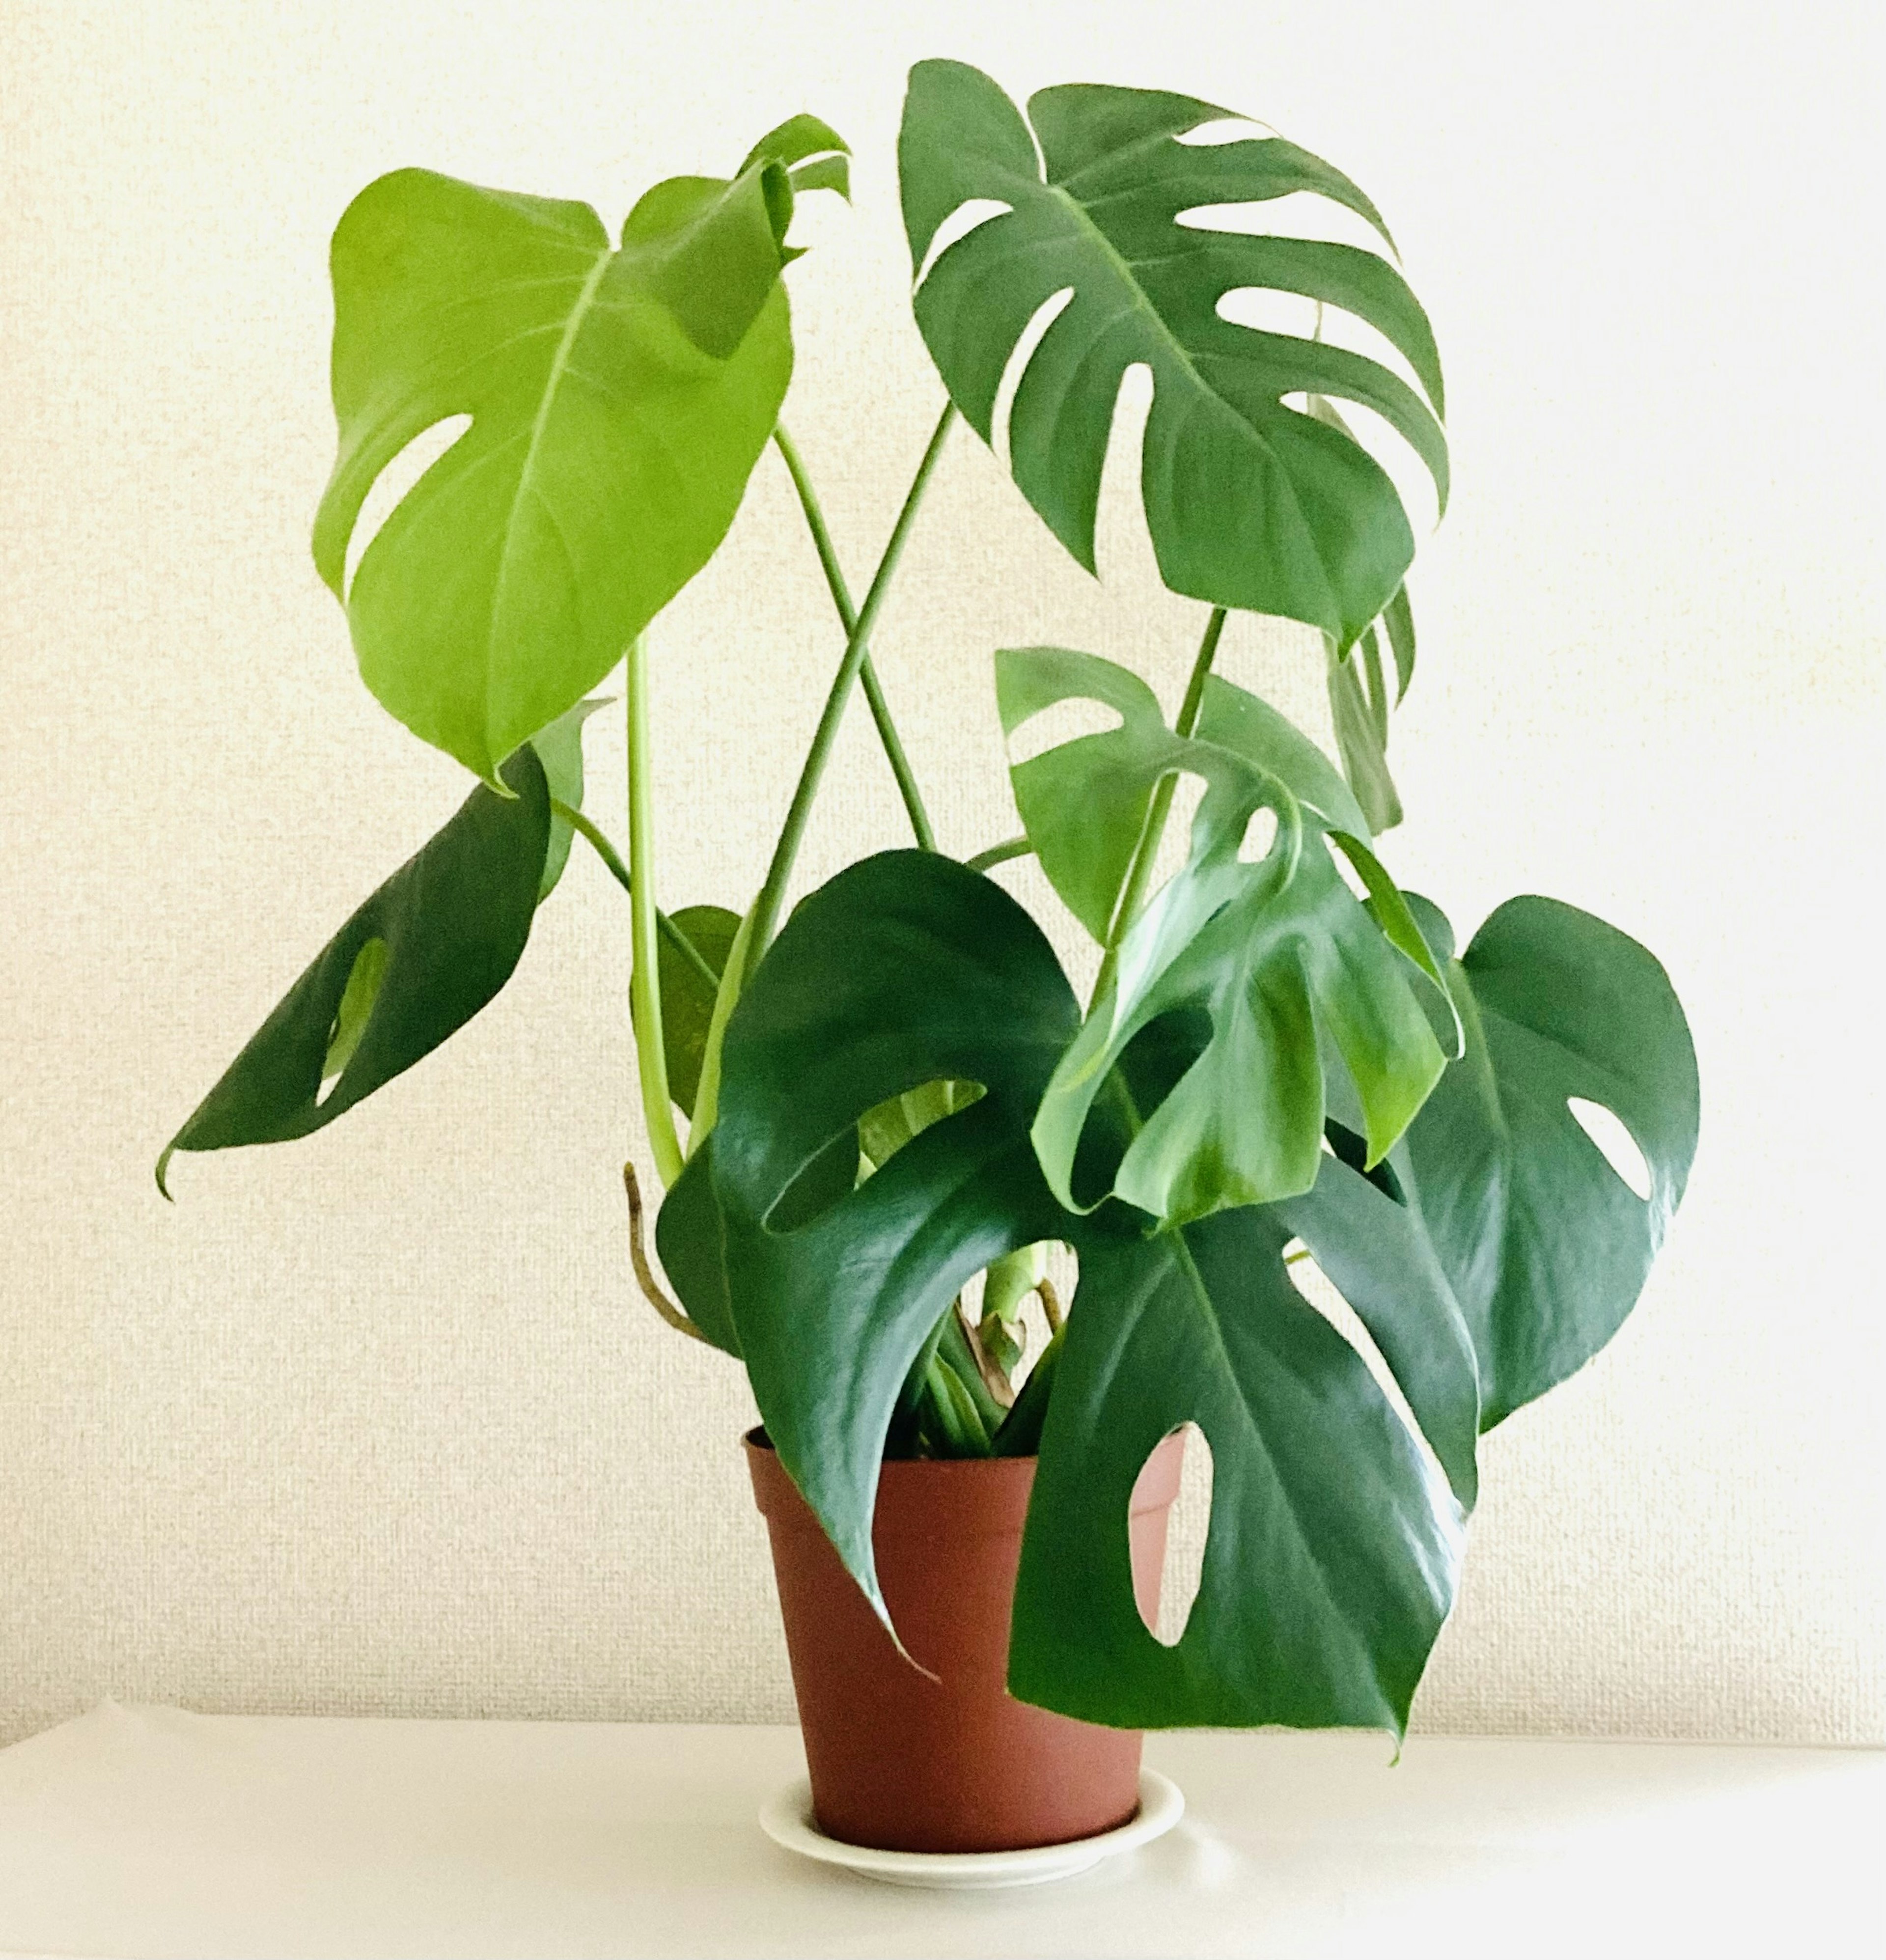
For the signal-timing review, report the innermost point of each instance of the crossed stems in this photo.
(757, 929)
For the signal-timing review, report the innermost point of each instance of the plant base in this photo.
(899, 1762)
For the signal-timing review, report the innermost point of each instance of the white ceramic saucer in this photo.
(787, 1819)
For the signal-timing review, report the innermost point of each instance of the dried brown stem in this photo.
(1050, 1303)
(644, 1272)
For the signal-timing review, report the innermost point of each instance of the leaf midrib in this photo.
(1182, 1257)
(553, 380)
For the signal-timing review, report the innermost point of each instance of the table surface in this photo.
(148, 1831)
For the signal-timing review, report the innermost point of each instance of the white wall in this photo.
(375, 1422)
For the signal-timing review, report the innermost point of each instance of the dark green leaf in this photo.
(1360, 743)
(453, 920)
(1546, 1246)
(687, 1239)
(1374, 1248)
(907, 969)
(619, 399)
(883, 1132)
(687, 1001)
(1250, 504)
(1333, 1549)
(1399, 619)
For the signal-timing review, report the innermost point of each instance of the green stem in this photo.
(605, 850)
(706, 1096)
(1139, 873)
(766, 908)
(644, 984)
(999, 854)
(848, 618)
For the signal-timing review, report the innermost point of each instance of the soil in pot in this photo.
(906, 1763)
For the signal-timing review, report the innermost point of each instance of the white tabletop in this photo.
(150, 1832)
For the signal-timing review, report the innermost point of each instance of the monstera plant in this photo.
(859, 1106)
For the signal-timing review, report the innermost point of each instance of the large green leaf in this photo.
(906, 969)
(1271, 962)
(1369, 1239)
(413, 964)
(618, 397)
(1333, 1549)
(1250, 503)
(1545, 1245)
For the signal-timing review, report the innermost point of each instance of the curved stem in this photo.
(605, 850)
(1000, 853)
(1139, 873)
(766, 907)
(847, 618)
(644, 983)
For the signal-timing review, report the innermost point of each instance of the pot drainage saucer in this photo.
(787, 1819)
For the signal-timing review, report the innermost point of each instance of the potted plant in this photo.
(894, 1089)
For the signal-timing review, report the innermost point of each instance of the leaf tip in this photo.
(164, 1166)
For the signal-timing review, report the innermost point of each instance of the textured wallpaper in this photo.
(377, 1422)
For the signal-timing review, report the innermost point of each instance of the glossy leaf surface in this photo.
(906, 969)
(1250, 504)
(453, 921)
(1271, 961)
(619, 397)
(1333, 1549)
(1545, 1246)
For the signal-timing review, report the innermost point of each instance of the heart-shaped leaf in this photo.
(1250, 503)
(1333, 1549)
(1546, 1246)
(906, 969)
(619, 399)
(429, 949)
(1268, 961)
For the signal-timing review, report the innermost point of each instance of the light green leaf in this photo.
(451, 925)
(1250, 503)
(559, 748)
(815, 156)
(1266, 960)
(619, 398)
(1546, 1246)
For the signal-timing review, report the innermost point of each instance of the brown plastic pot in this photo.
(907, 1763)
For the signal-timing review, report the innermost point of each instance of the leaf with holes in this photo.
(1333, 1549)
(619, 398)
(1546, 1246)
(1369, 1239)
(1250, 503)
(429, 949)
(1269, 961)
(1084, 801)
(906, 970)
